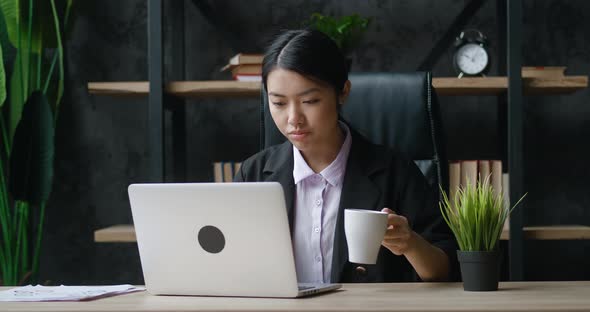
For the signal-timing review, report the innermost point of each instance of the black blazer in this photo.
(375, 178)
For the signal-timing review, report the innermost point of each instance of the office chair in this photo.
(398, 110)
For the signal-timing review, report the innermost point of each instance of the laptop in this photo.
(216, 239)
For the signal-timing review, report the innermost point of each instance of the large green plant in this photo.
(346, 31)
(29, 104)
(476, 215)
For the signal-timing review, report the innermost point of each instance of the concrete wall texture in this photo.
(102, 141)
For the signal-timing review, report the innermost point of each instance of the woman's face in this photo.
(305, 111)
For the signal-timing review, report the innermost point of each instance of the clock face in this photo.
(471, 59)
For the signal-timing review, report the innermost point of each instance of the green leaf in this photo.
(8, 51)
(60, 84)
(43, 24)
(346, 31)
(52, 36)
(2, 79)
(16, 18)
(10, 11)
(31, 158)
(19, 87)
(43, 34)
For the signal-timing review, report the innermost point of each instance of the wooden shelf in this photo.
(553, 232)
(126, 233)
(122, 88)
(230, 88)
(499, 85)
(122, 233)
(190, 89)
(470, 86)
(443, 85)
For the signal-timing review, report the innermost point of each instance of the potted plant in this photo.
(476, 216)
(30, 93)
(346, 31)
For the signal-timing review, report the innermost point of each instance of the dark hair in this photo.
(309, 53)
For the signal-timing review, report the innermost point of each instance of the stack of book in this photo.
(224, 171)
(245, 67)
(463, 172)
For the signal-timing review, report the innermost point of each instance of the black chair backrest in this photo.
(398, 110)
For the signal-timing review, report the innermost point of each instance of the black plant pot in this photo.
(480, 270)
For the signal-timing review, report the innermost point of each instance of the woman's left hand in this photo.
(399, 237)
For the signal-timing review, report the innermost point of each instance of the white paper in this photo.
(64, 293)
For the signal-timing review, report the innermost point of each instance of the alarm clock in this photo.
(471, 56)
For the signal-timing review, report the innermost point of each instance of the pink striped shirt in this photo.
(317, 199)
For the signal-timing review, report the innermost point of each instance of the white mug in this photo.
(364, 230)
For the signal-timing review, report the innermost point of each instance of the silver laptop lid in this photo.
(219, 239)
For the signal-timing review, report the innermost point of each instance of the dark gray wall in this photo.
(101, 141)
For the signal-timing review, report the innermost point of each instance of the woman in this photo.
(325, 166)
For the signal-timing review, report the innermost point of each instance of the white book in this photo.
(248, 78)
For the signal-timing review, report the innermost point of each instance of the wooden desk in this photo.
(512, 296)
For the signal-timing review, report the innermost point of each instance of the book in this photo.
(497, 177)
(248, 72)
(243, 59)
(484, 170)
(237, 166)
(468, 172)
(454, 180)
(257, 78)
(228, 171)
(224, 171)
(543, 71)
(246, 58)
(248, 69)
(462, 172)
(218, 172)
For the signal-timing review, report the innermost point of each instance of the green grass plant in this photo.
(476, 215)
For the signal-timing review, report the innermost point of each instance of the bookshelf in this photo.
(450, 86)
(126, 233)
(512, 84)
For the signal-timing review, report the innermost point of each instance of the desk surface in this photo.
(512, 296)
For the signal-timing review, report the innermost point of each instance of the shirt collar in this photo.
(334, 173)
